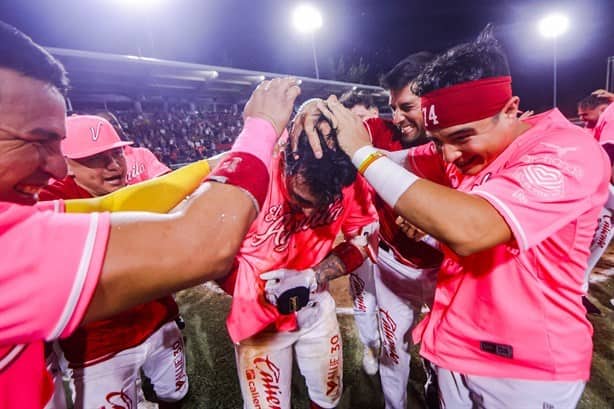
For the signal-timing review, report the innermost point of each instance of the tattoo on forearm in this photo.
(329, 269)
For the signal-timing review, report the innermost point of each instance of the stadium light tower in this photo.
(552, 26)
(307, 19)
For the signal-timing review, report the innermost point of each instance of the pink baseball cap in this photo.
(87, 135)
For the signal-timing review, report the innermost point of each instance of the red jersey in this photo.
(417, 254)
(281, 237)
(100, 340)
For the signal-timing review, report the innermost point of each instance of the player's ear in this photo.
(510, 108)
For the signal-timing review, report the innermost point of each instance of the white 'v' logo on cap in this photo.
(95, 133)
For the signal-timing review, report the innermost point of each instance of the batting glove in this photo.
(289, 290)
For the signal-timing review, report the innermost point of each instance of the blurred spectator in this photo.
(179, 135)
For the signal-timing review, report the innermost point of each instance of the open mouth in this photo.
(465, 164)
(408, 130)
(114, 180)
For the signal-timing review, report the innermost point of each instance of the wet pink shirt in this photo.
(284, 238)
(515, 310)
(49, 267)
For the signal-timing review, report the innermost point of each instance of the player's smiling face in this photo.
(474, 145)
(102, 173)
(406, 114)
(32, 125)
(590, 116)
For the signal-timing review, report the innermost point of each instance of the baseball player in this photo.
(360, 103)
(406, 270)
(362, 284)
(141, 163)
(105, 357)
(590, 109)
(88, 259)
(506, 328)
(603, 131)
(309, 202)
(405, 273)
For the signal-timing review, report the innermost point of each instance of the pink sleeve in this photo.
(49, 268)
(604, 131)
(543, 189)
(361, 210)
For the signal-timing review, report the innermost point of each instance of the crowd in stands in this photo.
(181, 135)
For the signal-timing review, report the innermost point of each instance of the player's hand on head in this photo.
(602, 93)
(306, 120)
(289, 290)
(409, 229)
(351, 131)
(273, 100)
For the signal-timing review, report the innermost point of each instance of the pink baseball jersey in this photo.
(283, 238)
(604, 130)
(96, 341)
(49, 267)
(142, 164)
(515, 310)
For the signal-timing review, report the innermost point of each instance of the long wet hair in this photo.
(327, 176)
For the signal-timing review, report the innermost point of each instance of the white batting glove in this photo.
(289, 290)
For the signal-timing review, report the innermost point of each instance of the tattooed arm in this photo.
(344, 259)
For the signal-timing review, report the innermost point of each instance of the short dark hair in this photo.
(352, 98)
(326, 177)
(592, 102)
(406, 70)
(19, 53)
(482, 58)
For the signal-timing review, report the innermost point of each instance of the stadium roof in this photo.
(100, 77)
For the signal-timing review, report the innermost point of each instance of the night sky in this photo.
(258, 35)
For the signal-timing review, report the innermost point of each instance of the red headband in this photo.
(465, 102)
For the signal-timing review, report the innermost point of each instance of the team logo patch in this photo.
(267, 374)
(541, 180)
(357, 286)
(560, 150)
(389, 346)
(95, 132)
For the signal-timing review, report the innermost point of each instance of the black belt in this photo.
(384, 246)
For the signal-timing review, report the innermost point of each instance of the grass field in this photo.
(212, 373)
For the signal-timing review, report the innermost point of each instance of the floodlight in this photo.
(553, 25)
(306, 18)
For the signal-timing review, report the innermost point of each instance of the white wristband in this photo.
(389, 180)
(361, 154)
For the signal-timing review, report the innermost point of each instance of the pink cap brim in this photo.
(98, 149)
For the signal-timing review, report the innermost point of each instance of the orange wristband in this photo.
(368, 161)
